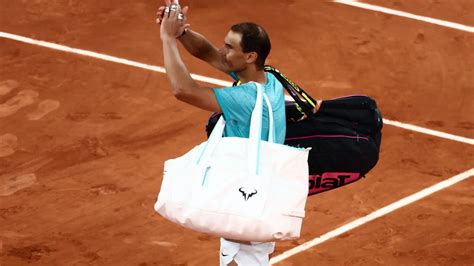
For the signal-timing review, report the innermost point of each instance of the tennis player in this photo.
(246, 47)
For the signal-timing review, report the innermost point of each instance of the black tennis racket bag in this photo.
(344, 134)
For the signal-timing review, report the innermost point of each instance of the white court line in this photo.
(374, 215)
(106, 57)
(406, 15)
(203, 79)
(428, 131)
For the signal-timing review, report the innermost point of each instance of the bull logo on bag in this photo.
(245, 193)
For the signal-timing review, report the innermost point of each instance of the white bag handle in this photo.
(212, 141)
(271, 133)
(256, 129)
(254, 137)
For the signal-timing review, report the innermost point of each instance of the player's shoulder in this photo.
(273, 84)
(244, 86)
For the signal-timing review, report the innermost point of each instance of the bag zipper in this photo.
(205, 176)
(329, 136)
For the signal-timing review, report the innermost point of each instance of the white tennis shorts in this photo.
(255, 254)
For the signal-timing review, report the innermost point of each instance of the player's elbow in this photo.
(185, 91)
(179, 93)
(179, 96)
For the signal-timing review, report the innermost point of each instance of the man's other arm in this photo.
(198, 46)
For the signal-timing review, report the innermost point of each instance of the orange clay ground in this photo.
(83, 141)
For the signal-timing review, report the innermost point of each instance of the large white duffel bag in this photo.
(238, 188)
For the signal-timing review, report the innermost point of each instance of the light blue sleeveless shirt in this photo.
(237, 104)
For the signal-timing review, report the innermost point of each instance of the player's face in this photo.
(235, 57)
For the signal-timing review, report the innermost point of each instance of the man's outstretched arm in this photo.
(183, 86)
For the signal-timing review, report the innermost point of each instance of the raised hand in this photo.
(172, 19)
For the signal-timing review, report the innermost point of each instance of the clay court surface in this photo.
(83, 140)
